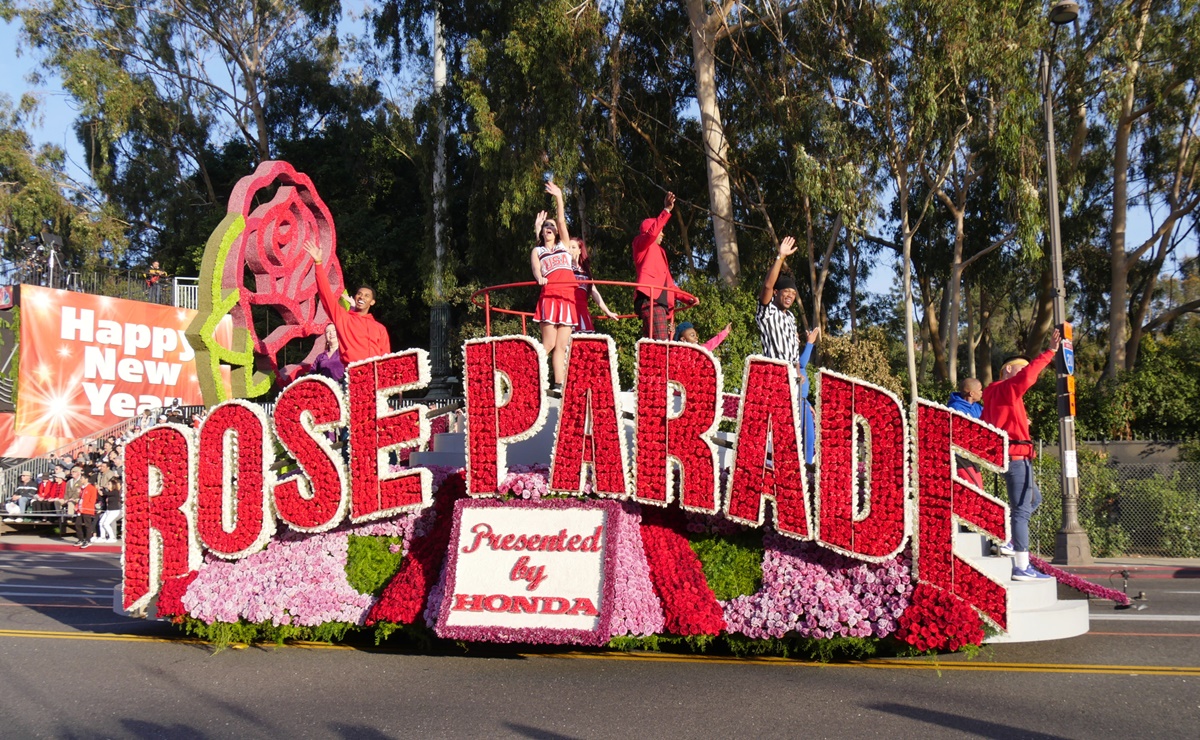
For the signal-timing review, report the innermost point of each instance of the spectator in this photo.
(74, 490)
(806, 409)
(776, 324)
(650, 263)
(52, 491)
(966, 401)
(85, 519)
(1004, 407)
(155, 277)
(114, 511)
(198, 419)
(556, 309)
(361, 336)
(781, 337)
(686, 332)
(581, 263)
(104, 473)
(24, 493)
(146, 420)
(329, 363)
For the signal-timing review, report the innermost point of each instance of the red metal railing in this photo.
(677, 294)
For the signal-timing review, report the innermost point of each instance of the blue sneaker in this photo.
(1029, 574)
(1005, 550)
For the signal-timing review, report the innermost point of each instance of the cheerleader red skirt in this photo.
(556, 310)
(581, 308)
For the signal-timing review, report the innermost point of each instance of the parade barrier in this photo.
(635, 522)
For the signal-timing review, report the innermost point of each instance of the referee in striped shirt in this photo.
(775, 321)
(780, 336)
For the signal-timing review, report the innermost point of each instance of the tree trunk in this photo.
(704, 30)
(1043, 322)
(932, 309)
(906, 254)
(1118, 264)
(983, 351)
(1138, 319)
(972, 343)
(954, 291)
(852, 261)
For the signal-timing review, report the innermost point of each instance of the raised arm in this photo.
(813, 335)
(600, 302)
(787, 248)
(324, 289)
(1028, 375)
(561, 212)
(715, 341)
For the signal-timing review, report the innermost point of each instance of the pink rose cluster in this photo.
(813, 592)
(636, 608)
(299, 578)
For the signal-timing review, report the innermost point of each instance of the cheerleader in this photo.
(582, 265)
(551, 261)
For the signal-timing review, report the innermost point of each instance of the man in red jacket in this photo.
(1004, 407)
(650, 262)
(360, 336)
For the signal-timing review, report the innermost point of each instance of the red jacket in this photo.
(360, 336)
(650, 259)
(52, 489)
(87, 499)
(1004, 405)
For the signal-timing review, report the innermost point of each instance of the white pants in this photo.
(108, 523)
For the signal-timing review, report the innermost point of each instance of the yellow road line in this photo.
(927, 664)
(905, 663)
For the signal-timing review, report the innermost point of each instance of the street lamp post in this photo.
(1071, 544)
(439, 319)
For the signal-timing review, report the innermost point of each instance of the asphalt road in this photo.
(70, 667)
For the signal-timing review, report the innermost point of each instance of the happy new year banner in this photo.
(88, 362)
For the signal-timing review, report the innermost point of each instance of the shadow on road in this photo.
(959, 723)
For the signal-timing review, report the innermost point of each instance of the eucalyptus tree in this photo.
(161, 84)
(37, 195)
(1131, 86)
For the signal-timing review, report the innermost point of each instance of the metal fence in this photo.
(129, 284)
(1146, 509)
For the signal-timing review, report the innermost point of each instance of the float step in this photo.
(1061, 620)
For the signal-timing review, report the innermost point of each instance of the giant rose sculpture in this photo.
(270, 215)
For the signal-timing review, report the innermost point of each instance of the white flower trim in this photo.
(587, 468)
(707, 436)
(863, 493)
(383, 411)
(229, 515)
(317, 433)
(154, 543)
(793, 402)
(906, 482)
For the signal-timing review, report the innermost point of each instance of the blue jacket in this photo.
(958, 403)
(806, 409)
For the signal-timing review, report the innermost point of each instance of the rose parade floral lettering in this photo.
(555, 569)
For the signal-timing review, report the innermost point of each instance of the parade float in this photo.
(599, 518)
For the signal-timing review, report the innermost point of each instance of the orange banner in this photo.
(88, 362)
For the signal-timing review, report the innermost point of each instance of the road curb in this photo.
(1135, 571)
(36, 547)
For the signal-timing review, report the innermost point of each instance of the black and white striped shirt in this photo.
(777, 328)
